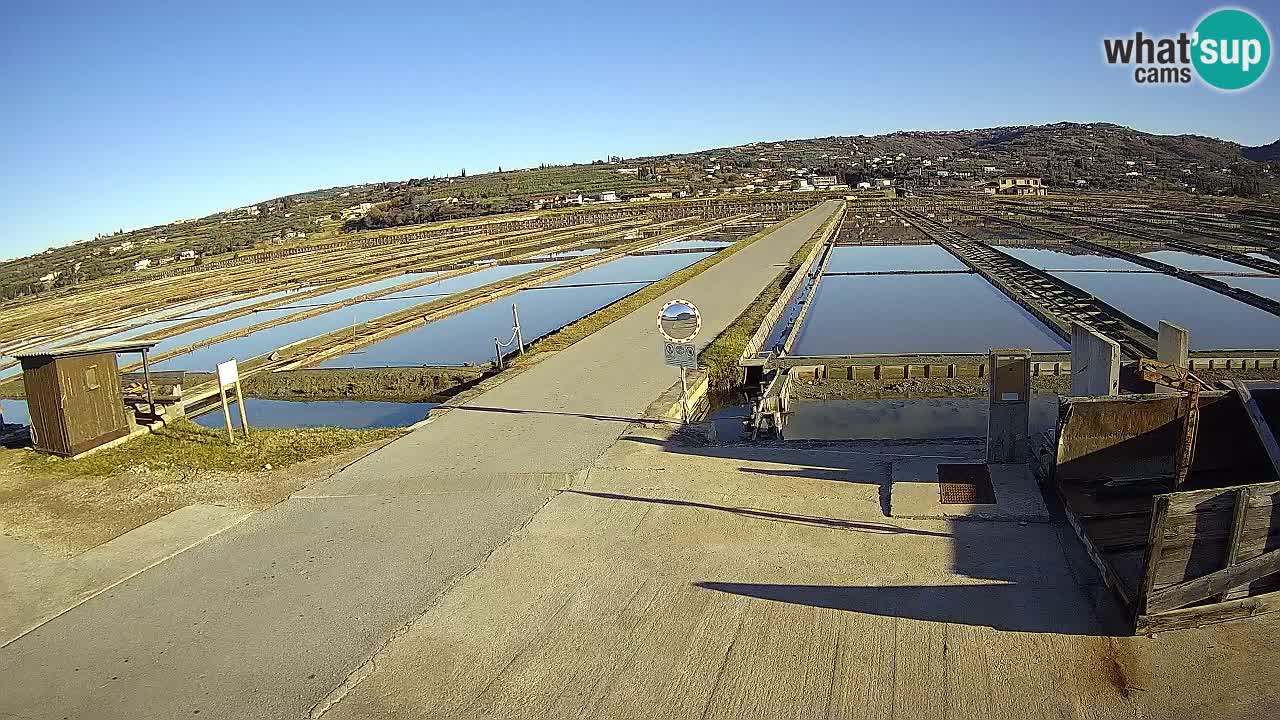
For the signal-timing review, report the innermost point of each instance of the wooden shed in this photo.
(74, 398)
(1204, 552)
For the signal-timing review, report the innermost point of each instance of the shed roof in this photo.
(71, 350)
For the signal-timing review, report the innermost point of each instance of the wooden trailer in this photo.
(1205, 552)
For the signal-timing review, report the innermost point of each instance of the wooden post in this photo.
(146, 376)
(1155, 548)
(226, 414)
(1237, 530)
(244, 421)
(1260, 426)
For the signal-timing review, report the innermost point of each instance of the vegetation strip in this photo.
(187, 447)
(720, 356)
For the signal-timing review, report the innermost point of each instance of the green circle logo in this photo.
(1232, 49)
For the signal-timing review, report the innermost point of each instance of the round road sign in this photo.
(679, 321)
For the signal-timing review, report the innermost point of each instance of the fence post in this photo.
(515, 318)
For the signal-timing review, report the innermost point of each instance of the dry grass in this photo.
(72, 505)
(185, 446)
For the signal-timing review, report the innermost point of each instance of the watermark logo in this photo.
(1229, 49)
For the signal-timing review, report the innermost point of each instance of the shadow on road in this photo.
(514, 411)
(811, 520)
(1000, 606)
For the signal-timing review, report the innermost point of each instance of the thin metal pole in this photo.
(146, 376)
(515, 318)
(684, 399)
(497, 352)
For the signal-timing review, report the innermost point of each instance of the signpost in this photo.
(679, 321)
(229, 378)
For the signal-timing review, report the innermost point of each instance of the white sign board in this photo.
(680, 354)
(228, 373)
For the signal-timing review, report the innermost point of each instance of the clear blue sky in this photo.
(122, 115)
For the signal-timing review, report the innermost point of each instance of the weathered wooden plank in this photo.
(1155, 542)
(1260, 425)
(1127, 568)
(1119, 533)
(1110, 578)
(1219, 498)
(1217, 526)
(1185, 593)
(1237, 529)
(1138, 435)
(1148, 624)
(1192, 561)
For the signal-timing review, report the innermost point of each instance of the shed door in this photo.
(91, 397)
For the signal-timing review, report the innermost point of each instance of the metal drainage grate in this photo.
(965, 485)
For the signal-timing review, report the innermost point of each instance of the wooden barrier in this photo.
(1207, 554)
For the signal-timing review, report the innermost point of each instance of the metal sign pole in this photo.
(684, 402)
(679, 322)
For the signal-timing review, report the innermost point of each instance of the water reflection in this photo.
(1215, 321)
(14, 412)
(1051, 259)
(264, 341)
(1268, 287)
(467, 337)
(1196, 263)
(916, 313)
(885, 258)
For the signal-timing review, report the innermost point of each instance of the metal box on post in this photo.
(73, 396)
(1009, 370)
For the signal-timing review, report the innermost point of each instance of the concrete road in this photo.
(749, 582)
(560, 416)
(269, 618)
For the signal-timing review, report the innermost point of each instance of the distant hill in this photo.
(1100, 156)
(1263, 153)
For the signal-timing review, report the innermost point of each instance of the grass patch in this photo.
(720, 356)
(573, 332)
(186, 446)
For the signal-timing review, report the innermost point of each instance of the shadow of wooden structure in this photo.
(74, 396)
(1204, 552)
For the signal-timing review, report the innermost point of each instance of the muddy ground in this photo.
(395, 384)
(868, 389)
(839, 389)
